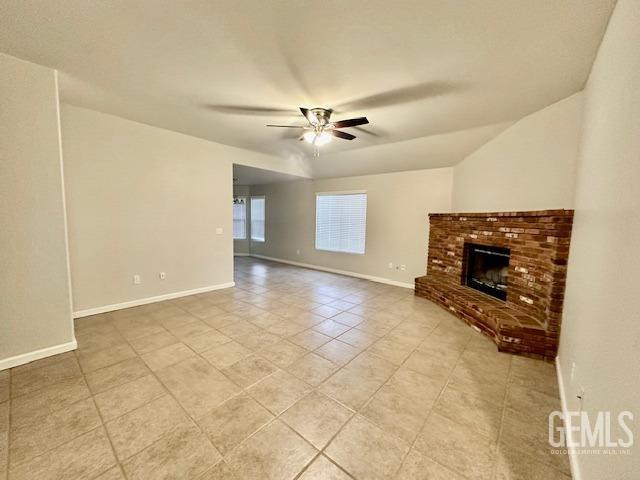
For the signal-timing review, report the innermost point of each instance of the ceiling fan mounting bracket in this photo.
(321, 114)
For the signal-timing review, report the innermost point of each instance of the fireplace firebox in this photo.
(487, 269)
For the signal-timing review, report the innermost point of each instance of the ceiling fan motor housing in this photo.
(322, 114)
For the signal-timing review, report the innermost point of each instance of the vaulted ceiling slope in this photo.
(422, 71)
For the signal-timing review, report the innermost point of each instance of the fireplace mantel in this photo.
(528, 321)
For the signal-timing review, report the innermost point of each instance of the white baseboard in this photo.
(37, 355)
(386, 281)
(145, 301)
(241, 254)
(573, 458)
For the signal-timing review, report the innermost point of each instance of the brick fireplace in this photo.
(502, 273)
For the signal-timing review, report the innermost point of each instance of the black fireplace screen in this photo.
(487, 269)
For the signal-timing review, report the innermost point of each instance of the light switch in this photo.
(219, 231)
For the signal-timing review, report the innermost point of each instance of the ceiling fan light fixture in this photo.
(321, 138)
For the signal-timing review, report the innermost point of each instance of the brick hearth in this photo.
(528, 322)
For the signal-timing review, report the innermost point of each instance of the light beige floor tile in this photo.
(514, 465)
(274, 453)
(32, 379)
(82, 458)
(472, 411)
(191, 329)
(221, 471)
(127, 397)
(177, 321)
(417, 466)
(457, 447)
(286, 328)
(431, 365)
(529, 405)
(393, 351)
(331, 328)
(308, 319)
(203, 342)
(32, 408)
(257, 340)
(166, 356)
(53, 430)
(206, 311)
(358, 381)
(137, 326)
(249, 370)
(395, 414)
(4, 438)
(358, 338)
(239, 329)
(323, 469)
(325, 311)
(94, 339)
(197, 385)
(4, 385)
(348, 319)
(279, 391)
(150, 343)
(184, 453)
(317, 418)
(310, 339)
(104, 358)
(534, 374)
(312, 369)
(283, 353)
(220, 321)
(166, 311)
(365, 451)
(479, 382)
(234, 421)
(138, 429)
(338, 352)
(226, 355)
(117, 374)
(419, 388)
(112, 474)
(532, 439)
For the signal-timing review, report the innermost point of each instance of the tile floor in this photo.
(291, 374)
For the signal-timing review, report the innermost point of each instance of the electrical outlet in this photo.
(136, 279)
(162, 275)
(390, 264)
(573, 370)
(403, 267)
(219, 231)
(298, 252)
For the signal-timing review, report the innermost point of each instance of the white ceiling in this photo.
(244, 175)
(418, 69)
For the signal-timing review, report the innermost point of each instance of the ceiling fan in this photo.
(321, 128)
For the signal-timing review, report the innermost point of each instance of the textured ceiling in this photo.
(425, 69)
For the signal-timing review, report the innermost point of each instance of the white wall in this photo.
(35, 308)
(601, 326)
(142, 200)
(397, 221)
(529, 166)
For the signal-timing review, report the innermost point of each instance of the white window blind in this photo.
(341, 221)
(257, 218)
(240, 219)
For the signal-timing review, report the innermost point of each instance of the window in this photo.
(341, 220)
(239, 218)
(257, 219)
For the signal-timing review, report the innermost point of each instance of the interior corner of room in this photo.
(103, 210)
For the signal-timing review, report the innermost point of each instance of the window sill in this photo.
(339, 251)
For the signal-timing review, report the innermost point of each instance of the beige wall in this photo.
(601, 326)
(529, 166)
(397, 222)
(35, 308)
(241, 247)
(142, 200)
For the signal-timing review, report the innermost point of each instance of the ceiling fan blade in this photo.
(287, 126)
(339, 134)
(352, 122)
(250, 110)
